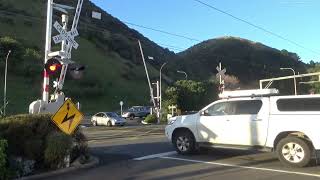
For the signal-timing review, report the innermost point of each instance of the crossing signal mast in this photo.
(56, 63)
(221, 75)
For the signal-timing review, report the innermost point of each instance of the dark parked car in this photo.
(136, 111)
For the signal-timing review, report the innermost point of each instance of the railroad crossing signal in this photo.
(68, 117)
(220, 75)
(221, 72)
(64, 35)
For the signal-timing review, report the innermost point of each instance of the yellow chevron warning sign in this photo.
(68, 117)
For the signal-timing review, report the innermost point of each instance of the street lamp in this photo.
(183, 73)
(5, 85)
(294, 79)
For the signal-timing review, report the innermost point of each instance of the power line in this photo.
(165, 32)
(256, 26)
(173, 47)
(90, 26)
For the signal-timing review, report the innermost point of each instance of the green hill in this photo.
(108, 49)
(247, 60)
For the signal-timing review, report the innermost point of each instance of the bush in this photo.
(3, 160)
(80, 149)
(26, 135)
(58, 147)
(36, 138)
(151, 118)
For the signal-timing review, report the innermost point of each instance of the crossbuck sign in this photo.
(64, 35)
(221, 72)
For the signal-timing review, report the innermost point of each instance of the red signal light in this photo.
(53, 66)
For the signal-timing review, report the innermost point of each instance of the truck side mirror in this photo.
(204, 113)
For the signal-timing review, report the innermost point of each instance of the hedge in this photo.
(36, 138)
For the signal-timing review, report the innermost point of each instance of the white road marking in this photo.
(239, 166)
(155, 156)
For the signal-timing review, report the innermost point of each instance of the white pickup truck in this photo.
(288, 125)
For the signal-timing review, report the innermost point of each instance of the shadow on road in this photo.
(116, 153)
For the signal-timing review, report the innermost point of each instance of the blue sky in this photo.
(296, 20)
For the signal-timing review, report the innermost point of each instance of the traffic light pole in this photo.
(45, 91)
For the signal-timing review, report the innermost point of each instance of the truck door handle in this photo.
(256, 119)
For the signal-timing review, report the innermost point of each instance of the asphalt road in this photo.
(142, 152)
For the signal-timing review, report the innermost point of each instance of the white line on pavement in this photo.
(239, 166)
(155, 155)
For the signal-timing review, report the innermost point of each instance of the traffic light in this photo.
(53, 66)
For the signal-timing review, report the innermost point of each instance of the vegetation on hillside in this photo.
(108, 49)
(248, 61)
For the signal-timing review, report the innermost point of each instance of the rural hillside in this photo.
(108, 49)
(248, 61)
(114, 69)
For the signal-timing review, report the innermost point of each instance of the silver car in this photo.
(107, 119)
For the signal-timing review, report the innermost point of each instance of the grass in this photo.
(117, 80)
(20, 93)
(105, 67)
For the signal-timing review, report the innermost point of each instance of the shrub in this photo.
(80, 149)
(3, 160)
(26, 135)
(57, 148)
(151, 118)
(35, 139)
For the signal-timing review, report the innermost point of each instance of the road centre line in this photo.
(239, 166)
(155, 156)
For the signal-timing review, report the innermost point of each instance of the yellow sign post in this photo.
(68, 117)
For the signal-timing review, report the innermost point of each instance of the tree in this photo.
(231, 82)
(315, 87)
(191, 95)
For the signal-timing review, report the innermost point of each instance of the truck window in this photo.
(299, 104)
(219, 109)
(235, 108)
(248, 107)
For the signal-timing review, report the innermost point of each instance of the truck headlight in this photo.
(172, 120)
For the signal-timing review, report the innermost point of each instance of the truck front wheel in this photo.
(184, 142)
(294, 152)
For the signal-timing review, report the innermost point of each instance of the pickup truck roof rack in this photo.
(249, 93)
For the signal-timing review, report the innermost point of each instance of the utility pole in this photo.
(157, 97)
(5, 85)
(220, 78)
(45, 92)
(161, 89)
(145, 67)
